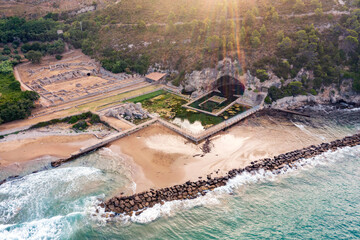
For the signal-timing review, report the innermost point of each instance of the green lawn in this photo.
(147, 96)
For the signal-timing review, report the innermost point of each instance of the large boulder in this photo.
(128, 111)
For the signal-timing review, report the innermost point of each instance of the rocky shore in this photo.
(137, 203)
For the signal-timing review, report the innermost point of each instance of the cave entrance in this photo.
(229, 86)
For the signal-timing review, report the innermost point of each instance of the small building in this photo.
(155, 77)
(60, 32)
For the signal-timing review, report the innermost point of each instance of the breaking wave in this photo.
(47, 204)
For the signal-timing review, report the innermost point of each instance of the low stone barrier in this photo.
(138, 202)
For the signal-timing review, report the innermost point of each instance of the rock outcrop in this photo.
(200, 82)
(128, 111)
(328, 95)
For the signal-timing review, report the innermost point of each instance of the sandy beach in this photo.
(163, 158)
(23, 150)
(55, 141)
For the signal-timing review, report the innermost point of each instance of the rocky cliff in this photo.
(200, 82)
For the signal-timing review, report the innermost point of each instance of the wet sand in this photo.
(27, 149)
(163, 158)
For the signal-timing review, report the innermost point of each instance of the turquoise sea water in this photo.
(320, 199)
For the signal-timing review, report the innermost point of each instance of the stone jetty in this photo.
(135, 204)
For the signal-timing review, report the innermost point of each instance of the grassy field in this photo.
(113, 100)
(147, 96)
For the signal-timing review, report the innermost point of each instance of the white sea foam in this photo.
(52, 228)
(170, 144)
(303, 129)
(28, 196)
(214, 197)
(195, 127)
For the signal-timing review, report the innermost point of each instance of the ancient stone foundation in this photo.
(190, 190)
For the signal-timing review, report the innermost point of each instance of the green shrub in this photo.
(95, 119)
(58, 57)
(268, 100)
(313, 92)
(73, 119)
(262, 75)
(356, 84)
(6, 67)
(81, 125)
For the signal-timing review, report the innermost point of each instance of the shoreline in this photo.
(31, 148)
(136, 203)
(164, 158)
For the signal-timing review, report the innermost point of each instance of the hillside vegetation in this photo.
(192, 35)
(280, 37)
(14, 103)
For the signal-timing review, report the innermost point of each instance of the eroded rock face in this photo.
(200, 82)
(128, 111)
(328, 95)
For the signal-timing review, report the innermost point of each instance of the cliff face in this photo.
(330, 95)
(200, 82)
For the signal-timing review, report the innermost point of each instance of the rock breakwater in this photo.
(136, 203)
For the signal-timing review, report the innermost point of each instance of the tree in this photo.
(299, 6)
(285, 44)
(263, 31)
(280, 35)
(170, 28)
(6, 50)
(262, 75)
(255, 42)
(255, 39)
(34, 56)
(350, 44)
(271, 15)
(141, 25)
(230, 46)
(319, 12)
(119, 67)
(275, 16)
(213, 43)
(316, 4)
(171, 17)
(242, 35)
(5, 67)
(256, 34)
(249, 18)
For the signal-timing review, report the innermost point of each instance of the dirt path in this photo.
(292, 15)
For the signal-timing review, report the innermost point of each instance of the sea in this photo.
(319, 198)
